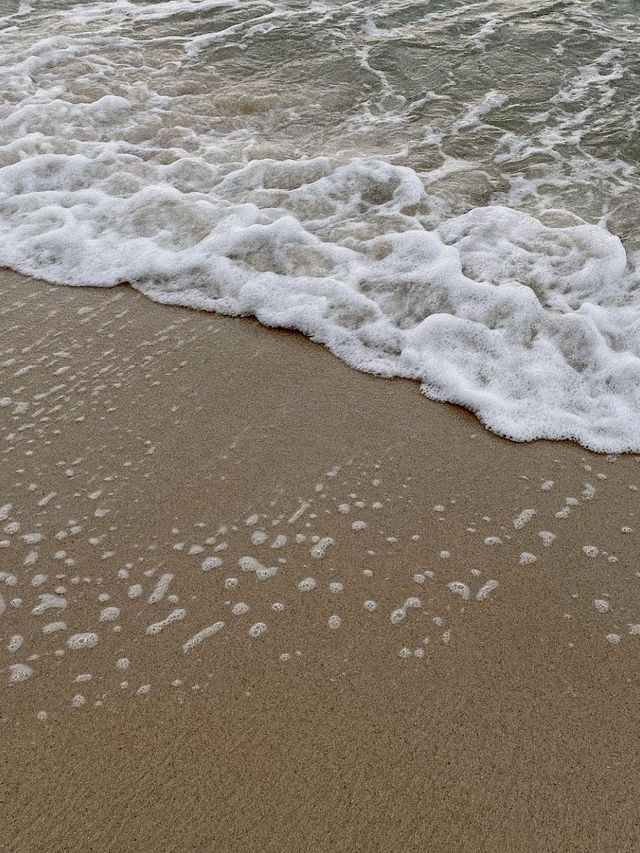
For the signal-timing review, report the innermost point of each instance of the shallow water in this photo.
(445, 191)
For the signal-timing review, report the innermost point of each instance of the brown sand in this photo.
(515, 727)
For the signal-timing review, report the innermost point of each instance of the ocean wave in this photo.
(125, 167)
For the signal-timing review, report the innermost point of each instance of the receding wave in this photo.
(437, 191)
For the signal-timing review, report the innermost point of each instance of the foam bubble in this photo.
(259, 537)
(524, 518)
(15, 641)
(176, 615)
(486, 589)
(49, 601)
(109, 614)
(398, 615)
(19, 672)
(548, 538)
(54, 627)
(459, 588)
(320, 548)
(86, 640)
(202, 635)
(251, 564)
(161, 588)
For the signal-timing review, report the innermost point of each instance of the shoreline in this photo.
(151, 428)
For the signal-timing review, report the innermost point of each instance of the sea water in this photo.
(435, 189)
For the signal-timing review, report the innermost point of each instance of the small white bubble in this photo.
(19, 672)
(460, 589)
(210, 563)
(258, 537)
(109, 614)
(86, 640)
(397, 616)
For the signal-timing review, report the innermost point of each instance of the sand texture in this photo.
(253, 600)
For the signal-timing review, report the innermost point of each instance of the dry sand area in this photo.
(253, 600)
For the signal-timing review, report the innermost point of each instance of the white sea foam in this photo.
(176, 615)
(486, 589)
(86, 640)
(533, 346)
(107, 177)
(48, 601)
(19, 672)
(109, 614)
(202, 635)
(460, 588)
(161, 588)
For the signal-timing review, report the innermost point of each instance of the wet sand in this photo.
(488, 701)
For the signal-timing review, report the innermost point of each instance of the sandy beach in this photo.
(256, 600)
